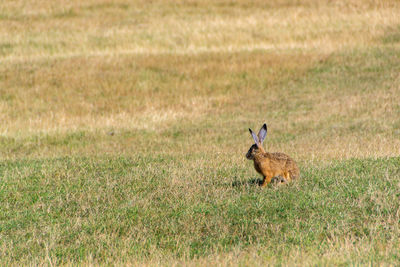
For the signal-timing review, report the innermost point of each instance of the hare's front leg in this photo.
(266, 180)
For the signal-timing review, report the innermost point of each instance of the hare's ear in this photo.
(262, 133)
(254, 136)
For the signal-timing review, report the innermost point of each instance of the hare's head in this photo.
(258, 140)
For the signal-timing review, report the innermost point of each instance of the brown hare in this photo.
(276, 166)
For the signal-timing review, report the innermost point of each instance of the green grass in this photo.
(126, 209)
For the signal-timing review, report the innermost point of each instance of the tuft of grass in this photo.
(392, 35)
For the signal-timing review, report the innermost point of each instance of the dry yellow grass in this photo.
(32, 30)
(155, 93)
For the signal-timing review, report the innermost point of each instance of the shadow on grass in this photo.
(252, 182)
(278, 180)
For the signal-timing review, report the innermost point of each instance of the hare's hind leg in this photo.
(283, 180)
(286, 177)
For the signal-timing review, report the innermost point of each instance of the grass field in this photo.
(123, 130)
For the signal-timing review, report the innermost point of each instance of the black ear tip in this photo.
(250, 130)
(265, 126)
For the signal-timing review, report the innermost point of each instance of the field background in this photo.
(123, 130)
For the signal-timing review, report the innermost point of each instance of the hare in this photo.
(276, 166)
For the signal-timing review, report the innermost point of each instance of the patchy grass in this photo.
(151, 206)
(49, 111)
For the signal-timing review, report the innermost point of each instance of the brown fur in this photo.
(271, 165)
